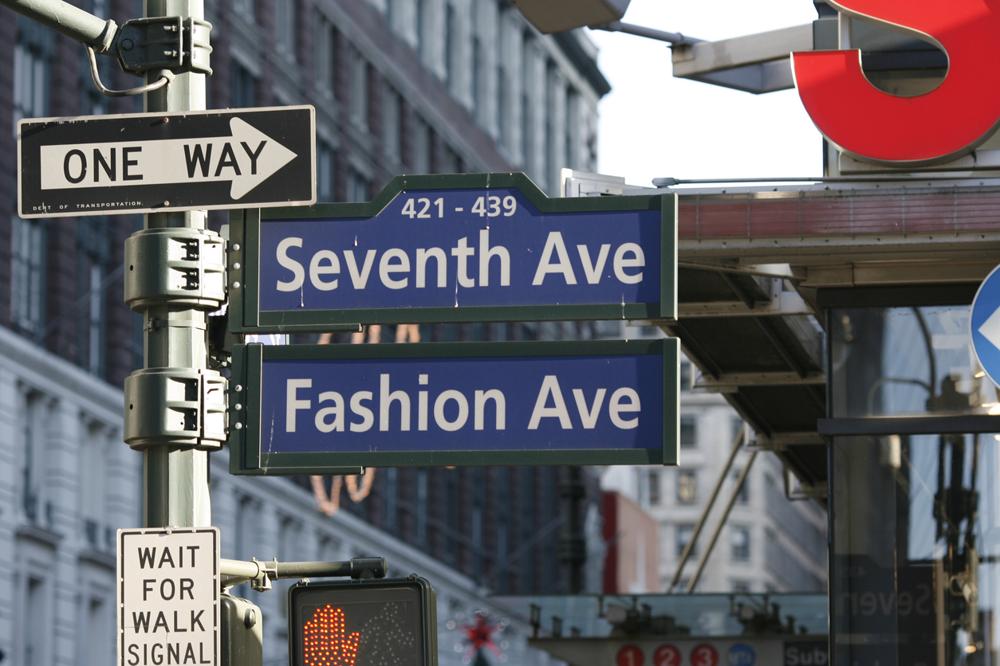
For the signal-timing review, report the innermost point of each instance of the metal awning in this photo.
(753, 259)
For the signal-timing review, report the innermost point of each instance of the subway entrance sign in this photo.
(362, 622)
(315, 409)
(157, 162)
(462, 248)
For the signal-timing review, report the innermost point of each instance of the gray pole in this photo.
(175, 481)
(693, 541)
(72, 21)
(722, 521)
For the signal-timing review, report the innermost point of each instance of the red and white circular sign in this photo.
(704, 655)
(667, 655)
(630, 655)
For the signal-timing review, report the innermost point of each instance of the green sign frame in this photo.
(245, 432)
(245, 315)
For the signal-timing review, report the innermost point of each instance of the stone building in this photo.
(399, 86)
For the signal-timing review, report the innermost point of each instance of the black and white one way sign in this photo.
(168, 597)
(116, 164)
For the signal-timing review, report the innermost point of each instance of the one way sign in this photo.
(146, 163)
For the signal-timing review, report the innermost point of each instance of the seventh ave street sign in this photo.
(157, 162)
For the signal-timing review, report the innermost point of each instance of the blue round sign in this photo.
(742, 654)
(984, 323)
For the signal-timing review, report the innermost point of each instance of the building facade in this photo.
(400, 86)
(769, 543)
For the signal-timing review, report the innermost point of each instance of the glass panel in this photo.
(916, 542)
(906, 361)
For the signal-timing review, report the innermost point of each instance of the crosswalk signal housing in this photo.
(362, 622)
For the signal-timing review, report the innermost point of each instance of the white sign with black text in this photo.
(168, 597)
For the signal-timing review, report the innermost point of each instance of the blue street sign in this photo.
(985, 325)
(310, 409)
(473, 247)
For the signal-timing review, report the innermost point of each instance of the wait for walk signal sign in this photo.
(354, 623)
(168, 597)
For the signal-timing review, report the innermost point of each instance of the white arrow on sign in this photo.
(247, 158)
(991, 329)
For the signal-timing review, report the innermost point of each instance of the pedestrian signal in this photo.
(353, 623)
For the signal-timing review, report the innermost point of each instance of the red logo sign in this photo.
(950, 120)
(704, 655)
(630, 655)
(667, 655)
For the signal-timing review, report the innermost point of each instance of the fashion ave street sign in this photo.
(117, 164)
(952, 119)
(310, 409)
(477, 247)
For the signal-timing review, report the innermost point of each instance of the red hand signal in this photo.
(950, 120)
(325, 641)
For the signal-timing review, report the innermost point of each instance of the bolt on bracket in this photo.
(175, 43)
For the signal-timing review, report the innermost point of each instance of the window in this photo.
(571, 128)
(476, 80)
(246, 9)
(359, 89)
(502, 101)
(421, 147)
(685, 375)
(739, 586)
(32, 71)
(390, 503)
(324, 171)
(527, 133)
(284, 27)
(326, 40)
(684, 532)
(421, 26)
(93, 467)
(35, 416)
(28, 275)
(744, 496)
(451, 37)
(736, 426)
(391, 119)
(37, 629)
(243, 87)
(357, 185)
(653, 480)
(93, 256)
(98, 621)
(687, 486)
(689, 431)
(550, 157)
(739, 543)
(422, 498)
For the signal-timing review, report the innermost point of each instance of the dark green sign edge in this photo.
(244, 262)
(245, 400)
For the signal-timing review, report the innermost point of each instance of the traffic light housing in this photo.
(358, 622)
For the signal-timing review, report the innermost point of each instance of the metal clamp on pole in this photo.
(175, 407)
(174, 43)
(175, 267)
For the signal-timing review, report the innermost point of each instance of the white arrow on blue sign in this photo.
(985, 325)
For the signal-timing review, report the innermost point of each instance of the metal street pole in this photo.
(175, 461)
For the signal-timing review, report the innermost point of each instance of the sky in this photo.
(653, 125)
